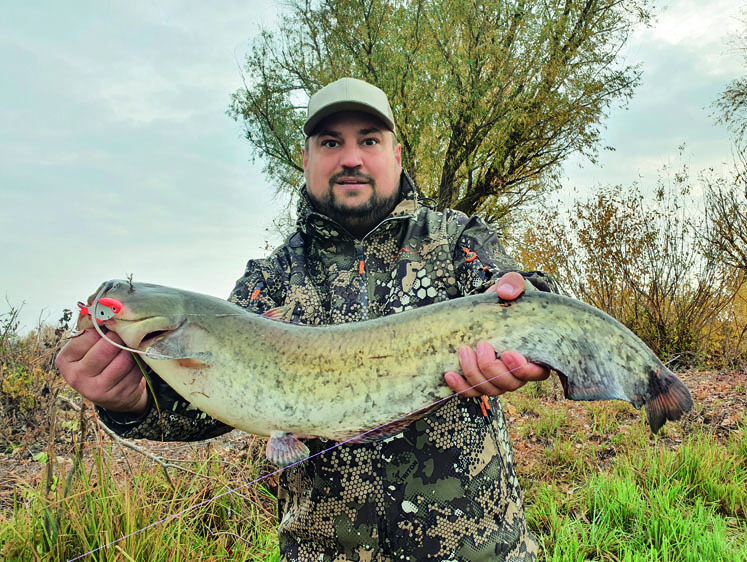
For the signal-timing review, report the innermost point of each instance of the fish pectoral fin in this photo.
(174, 348)
(198, 362)
(284, 448)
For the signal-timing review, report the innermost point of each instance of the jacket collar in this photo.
(311, 221)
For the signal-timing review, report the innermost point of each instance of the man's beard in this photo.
(361, 219)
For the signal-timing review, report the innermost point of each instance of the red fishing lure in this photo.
(103, 310)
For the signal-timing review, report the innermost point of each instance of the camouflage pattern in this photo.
(443, 488)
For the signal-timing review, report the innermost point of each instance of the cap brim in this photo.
(333, 108)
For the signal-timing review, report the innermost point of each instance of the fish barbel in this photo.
(269, 377)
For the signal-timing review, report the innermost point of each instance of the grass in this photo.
(655, 504)
(648, 503)
(162, 520)
(597, 485)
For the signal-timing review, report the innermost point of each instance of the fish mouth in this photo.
(154, 330)
(152, 337)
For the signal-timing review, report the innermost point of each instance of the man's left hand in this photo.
(486, 374)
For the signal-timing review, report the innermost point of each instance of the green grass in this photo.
(597, 486)
(653, 504)
(161, 521)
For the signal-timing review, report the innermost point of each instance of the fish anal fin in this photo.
(668, 400)
(573, 391)
(380, 432)
(387, 430)
(285, 448)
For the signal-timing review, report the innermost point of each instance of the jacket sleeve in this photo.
(262, 287)
(168, 416)
(480, 260)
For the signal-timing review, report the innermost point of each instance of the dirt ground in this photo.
(720, 405)
(720, 408)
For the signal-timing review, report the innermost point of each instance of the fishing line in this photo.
(261, 478)
(278, 471)
(115, 344)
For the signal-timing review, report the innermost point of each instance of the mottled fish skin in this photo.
(265, 376)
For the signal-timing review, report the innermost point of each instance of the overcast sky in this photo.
(117, 157)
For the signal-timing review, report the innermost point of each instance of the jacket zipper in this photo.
(361, 258)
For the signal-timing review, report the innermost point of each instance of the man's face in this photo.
(352, 168)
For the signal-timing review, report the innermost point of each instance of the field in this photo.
(598, 485)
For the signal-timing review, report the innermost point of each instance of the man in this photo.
(444, 486)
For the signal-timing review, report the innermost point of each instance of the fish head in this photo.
(140, 313)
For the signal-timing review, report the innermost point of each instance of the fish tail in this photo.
(669, 400)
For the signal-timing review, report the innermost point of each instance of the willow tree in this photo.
(732, 103)
(489, 97)
(726, 212)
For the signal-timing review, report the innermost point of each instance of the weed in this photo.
(655, 504)
(599, 488)
(142, 517)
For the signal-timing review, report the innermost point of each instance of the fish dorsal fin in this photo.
(280, 313)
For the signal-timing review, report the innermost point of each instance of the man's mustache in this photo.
(351, 174)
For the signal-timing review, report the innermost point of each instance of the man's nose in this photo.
(350, 156)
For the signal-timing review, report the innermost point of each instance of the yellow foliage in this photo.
(18, 386)
(642, 260)
(27, 377)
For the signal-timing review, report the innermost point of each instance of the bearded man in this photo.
(440, 488)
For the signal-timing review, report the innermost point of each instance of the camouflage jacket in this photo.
(444, 487)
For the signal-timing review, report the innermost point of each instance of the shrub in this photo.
(642, 259)
(28, 381)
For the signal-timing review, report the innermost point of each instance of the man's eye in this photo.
(331, 143)
(370, 142)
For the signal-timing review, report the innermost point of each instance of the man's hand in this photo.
(104, 374)
(485, 372)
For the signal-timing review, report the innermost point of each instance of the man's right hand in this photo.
(104, 374)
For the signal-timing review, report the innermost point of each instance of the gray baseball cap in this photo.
(348, 94)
